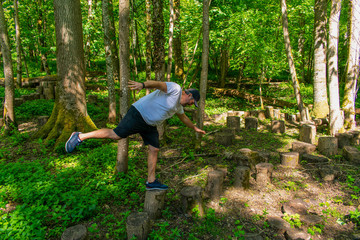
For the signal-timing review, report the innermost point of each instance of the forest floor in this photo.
(238, 214)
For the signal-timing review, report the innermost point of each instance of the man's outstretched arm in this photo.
(189, 123)
(148, 84)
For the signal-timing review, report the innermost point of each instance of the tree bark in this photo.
(321, 106)
(336, 117)
(42, 39)
(290, 58)
(111, 54)
(352, 71)
(178, 59)
(9, 113)
(158, 39)
(124, 46)
(148, 40)
(171, 35)
(18, 44)
(204, 71)
(70, 112)
(223, 64)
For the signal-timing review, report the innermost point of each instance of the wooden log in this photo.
(269, 112)
(225, 139)
(328, 145)
(233, 122)
(138, 226)
(289, 159)
(242, 177)
(191, 197)
(278, 126)
(77, 232)
(307, 133)
(214, 186)
(154, 203)
(251, 123)
(264, 173)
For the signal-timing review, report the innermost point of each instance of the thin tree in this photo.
(18, 44)
(204, 70)
(111, 54)
(321, 106)
(42, 33)
(69, 113)
(294, 79)
(352, 70)
(171, 35)
(336, 116)
(124, 53)
(148, 41)
(178, 58)
(9, 113)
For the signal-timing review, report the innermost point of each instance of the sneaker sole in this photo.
(68, 141)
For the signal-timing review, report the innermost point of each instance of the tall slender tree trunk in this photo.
(178, 58)
(352, 71)
(134, 42)
(69, 113)
(336, 116)
(148, 40)
(301, 46)
(18, 44)
(321, 106)
(42, 39)
(9, 113)
(111, 54)
(88, 35)
(290, 58)
(204, 71)
(171, 35)
(124, 54)
(223, 64)
(193, 57)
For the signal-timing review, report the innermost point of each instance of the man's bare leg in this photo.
(152, 159)
(101, 133)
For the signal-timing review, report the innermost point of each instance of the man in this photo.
(143, 117)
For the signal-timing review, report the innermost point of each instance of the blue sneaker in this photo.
(156, 185)
(73, 142)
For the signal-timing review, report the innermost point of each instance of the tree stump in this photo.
(225, 139)
(269, 112)
(289, 159)
(233, 122)
(307, 133)
(277, 113)
(138, 225)
(250, 158)
(242, 177)
(251, 123)
(303, 147)
(328, 145)
(228, 130)
(214, 185)
(264, 173)
(278, 126)
(191, 197)
(344, 139)
(154, 203)
(77, 232)
(292, 118)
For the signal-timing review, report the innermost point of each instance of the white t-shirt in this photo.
(159, 106)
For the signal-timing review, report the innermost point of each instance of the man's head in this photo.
(191, 96)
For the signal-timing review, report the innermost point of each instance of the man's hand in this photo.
(198, 130)
(135, 85)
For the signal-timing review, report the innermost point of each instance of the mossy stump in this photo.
(289, 159)
(328, 145)
(154, 203)
(251, 123)
(233, 122)
(224, 138)
(269, 112)
(278, 126)
(307, 133)
(138, 226)
(214, 185)
(191, 197)
(242, 177)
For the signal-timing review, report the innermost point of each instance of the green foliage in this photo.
(315, 229)
(354, 216)
(294, 220)
(31, 109)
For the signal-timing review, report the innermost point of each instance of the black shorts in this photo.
(134, 123)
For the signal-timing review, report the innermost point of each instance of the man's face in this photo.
(187, 100)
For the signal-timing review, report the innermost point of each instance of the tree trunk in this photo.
(223, 64)
(148, 40)
(158, 39)
(301, 44)
(90, 19)
(193, 57)
(178, 59)
(171, 34)
(70, 112)
(204, 71)
(18, 44)
(321, 106)
(112, 60)
(42, 39)
(352, 71)
(9, 114)
(290, 58)
(124, 46)
(134, 42)
(336, 117)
